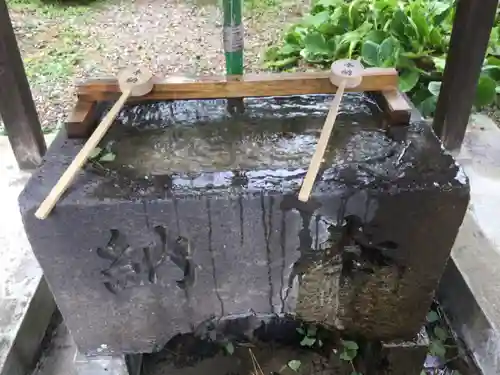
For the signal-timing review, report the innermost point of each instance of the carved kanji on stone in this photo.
(131, 267)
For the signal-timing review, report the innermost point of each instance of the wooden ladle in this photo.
(132, 82)
(344, 74)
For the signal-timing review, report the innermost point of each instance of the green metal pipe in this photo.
(233, 36)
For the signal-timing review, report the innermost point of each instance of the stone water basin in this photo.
(196, 218)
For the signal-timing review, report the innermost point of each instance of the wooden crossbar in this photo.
(249, 85)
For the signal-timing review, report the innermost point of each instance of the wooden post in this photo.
(17, 108)
(472, 27)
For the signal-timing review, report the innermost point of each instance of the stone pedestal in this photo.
(134, 255)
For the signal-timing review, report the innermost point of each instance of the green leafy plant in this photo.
(410, 35)
(437, 335)
(101, 155)
(432, 316)
(437, 347)
(309, 336)
(294, 364)
(229, 346)
(348, 352)
(488, 85)
(439, 342)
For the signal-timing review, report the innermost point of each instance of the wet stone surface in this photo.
(197, 217)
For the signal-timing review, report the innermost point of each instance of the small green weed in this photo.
(57, 61)
(438, 337)
(294, 364)
(348, 352)
(49, 38)
(259, 6)
(309, 336)
(100, 155)
(229, 346)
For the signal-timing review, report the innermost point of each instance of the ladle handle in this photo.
(81, 158)
(317, 158)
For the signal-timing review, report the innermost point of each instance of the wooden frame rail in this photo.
(381, 83)
(251, 85)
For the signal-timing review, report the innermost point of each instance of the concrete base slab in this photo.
(108, 365)
(105, 365)
(470, 286)
(480, 158)
(469, 294)
(26, 303)
(25, 347)
(468, 320)
(60, 356)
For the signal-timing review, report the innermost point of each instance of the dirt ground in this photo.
(62, 44)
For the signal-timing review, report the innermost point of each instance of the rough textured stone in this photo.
(134, 256)
(274, 342)
(404, 358)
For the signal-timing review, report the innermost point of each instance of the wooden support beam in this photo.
(472, 27)
(394, 105)
(82, 120)
(251, 85)
(17, 108)
(85, 115)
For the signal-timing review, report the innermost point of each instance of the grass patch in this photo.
(260, 6)
(57, 60)
(53, 9)
(258, 12)
(251, 8)
(49, 38)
